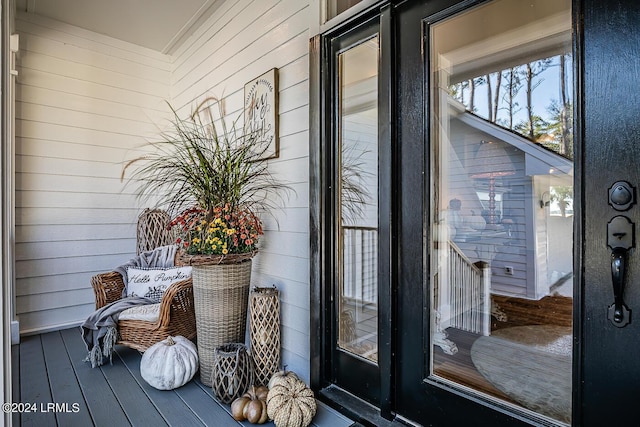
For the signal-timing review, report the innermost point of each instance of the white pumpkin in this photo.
(170, 363)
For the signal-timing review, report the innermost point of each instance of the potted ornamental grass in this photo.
(213, 179)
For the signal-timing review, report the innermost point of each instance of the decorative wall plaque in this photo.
(261, 112)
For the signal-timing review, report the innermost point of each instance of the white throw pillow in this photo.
(153, 282)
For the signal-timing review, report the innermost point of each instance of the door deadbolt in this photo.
(622, 196)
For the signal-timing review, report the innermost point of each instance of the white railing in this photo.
(462, 295)
(360, 264)
(469, 299)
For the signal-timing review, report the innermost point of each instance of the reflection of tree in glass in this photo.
(562, 193)
(551, 129)
(512, 85)
(531, 73)
(560, 126)
(537, 132)
(354, 193)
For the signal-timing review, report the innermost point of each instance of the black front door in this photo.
(527, 160)
(477, 210)
(356, 216)
(492, 86)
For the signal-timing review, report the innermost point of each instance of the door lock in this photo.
(620, 239)
(622, 196)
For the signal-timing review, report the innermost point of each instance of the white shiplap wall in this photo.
(243, 40)
(85, 103)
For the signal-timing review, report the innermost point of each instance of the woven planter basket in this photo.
(220, 296)
(264, 306)
(232, 372)
(186, 259)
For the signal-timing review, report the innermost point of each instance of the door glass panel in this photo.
(358, 200)
(502, 216)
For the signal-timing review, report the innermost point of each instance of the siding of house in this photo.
(242, 41)
(84, 103)
(499, 251)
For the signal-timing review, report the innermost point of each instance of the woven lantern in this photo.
(232, 372)
(153, 231)
(264, 305)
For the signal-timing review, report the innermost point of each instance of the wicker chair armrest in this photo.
(177, 304)
(107, 288)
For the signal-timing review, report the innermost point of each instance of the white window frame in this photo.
(318, 17)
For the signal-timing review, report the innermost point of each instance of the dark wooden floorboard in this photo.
(167, 402)
(226, 408)
(15, 381)
(202, 404)
(134, 401)
(34, 385)
(327, 417)
(198, 401)
(63, 383)
(50, 368)
(98, 395)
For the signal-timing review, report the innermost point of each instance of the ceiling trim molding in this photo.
(190, 26)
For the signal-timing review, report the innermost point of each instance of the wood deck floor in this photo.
(550, 310)
(48, 370)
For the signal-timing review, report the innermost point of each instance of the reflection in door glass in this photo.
(336, 7)
(358, 200)
(502, 219)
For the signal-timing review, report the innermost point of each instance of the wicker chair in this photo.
(177, 313)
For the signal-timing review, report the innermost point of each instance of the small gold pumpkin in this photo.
(251, 406)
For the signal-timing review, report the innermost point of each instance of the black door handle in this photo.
(619, 313)
(620, 239)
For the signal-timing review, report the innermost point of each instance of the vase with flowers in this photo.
(228, 236)
(214, 180)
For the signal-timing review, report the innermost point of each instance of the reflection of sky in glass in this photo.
(547, 89)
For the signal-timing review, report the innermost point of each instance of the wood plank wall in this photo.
(84, 103)
(244, 39)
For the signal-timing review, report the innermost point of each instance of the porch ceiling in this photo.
(161, 25)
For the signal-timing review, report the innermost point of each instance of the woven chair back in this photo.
(153, 230)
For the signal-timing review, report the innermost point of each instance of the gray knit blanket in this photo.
(100, 330)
